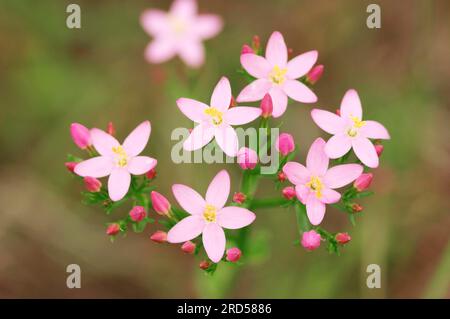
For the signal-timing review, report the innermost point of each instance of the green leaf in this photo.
(303, 223)
(363, 194)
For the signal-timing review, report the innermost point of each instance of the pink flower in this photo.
(233, 254)
(113, 229)
(118, 161)
(92, 184)
(276, 76)
(137, 213)
(288, 192)
(350, 130)
(311, 240)
(208, 216)
(315, 183)
(188, 247)
(160, 204)
(363, 182)
(216, 120)
(180, 31)
(159, 237)
(285, 144)
(247, 158)
(80, 135)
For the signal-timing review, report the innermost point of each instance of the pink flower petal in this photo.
(140, 165)
(136, 141)
(301, 64)
(338, 145)
(341, 175)
(200, 136)
(208, 25)
(160, 50)
(317, 161)
(299, 92)
(218, 190)
(276, 50)
(296, 173)
(193, 109)
(184, 8)
(154, 21)
(351, 105)
(242, 115)
(188, 228)
(327, 121)
(103, 142)
(227, 140)
(255, 65)
(221, 96)
(233, 217)
(365, 151)
(118, 184)
(279, 100)
(302, 193)
(315, 209)
(330, 196)
(372, 129)
(192, 53)
(214, 241)
(254, 91)
(189, 199)
(100, 166)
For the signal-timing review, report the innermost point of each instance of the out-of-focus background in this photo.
(51, 76)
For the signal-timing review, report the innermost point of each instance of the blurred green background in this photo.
(51, 76)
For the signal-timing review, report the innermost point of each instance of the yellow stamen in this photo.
(210, 213)
(278, 75)
(357, 122)
(178, 25)
(315, 184)
(122, 158)
(216, 115)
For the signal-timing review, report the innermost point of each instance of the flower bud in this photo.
(233, 254)
(160, 204)
(285, 144)
(379, 149)
(342, 238)
(239, 198)
(315, 74)
(246, 49)
(70, 166)
(338, 112)
(357, 208)
(288, 192)
(113, 229)
(282, 176)
(151, 174)
(204, 264)
(256, 43)
(247, 158)
(363, 181)
(188, 247)
(137, 213)
(111, 129)
(92, 184)
(80, 135)
(233, 102)
(311, 240)
(159, 237)
(266, 106)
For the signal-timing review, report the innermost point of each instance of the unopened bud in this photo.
(239, 198)
(285, 144)
(338, 112)
(311, 240)
(80, 135)
(113, 229)
(204, 264)
(363, 181)
(315, 74)
(137, 213)
(247, 158)
(288, 192)
(246, 49)
(342, 238)
(70, 166)
(160, 204)
(159, 237)
(379, 149)
(111, 129)
(357, 208)
(266, 106)
(282, 176)
(233, 254)
(233, 102)
(256, 43)
(92, 184)
(151, 174)
(188, 247)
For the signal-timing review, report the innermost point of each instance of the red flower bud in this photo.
(379, 149)
(70, 166)
(188, 247)
(282, 176)
(239, 198)
(342, 238)
(92, 184)
(363, 181)
(357, 208)
(285, 144)
(113, 229)
(111, 129)
(288, 192)
(151, 174)
(160, 204)
(246, 49)
(315, 74)
(137, 213)
(266, 106)
(159, 237)
(204, 264)
(80, 135)
(233, 254)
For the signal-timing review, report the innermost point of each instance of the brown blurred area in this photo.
(51, 76)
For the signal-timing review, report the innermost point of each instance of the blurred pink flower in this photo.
(276, 76)
(80, 135)
(350, 131)
(311, 240)
(216, 120)
(314, 183)
(208, 216)
(180, 31)
(118, 161)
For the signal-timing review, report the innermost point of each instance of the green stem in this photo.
(302, 218)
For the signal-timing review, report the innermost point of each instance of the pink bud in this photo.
(266, 106)
(92, 184)
(246, 49)
(311, 240)
(151, 174)
(357, 208)
(379, 149)
(247, 158)
(338, 112)
(285, 144)
(159, 237)
(160, 204)
(288, 192)
(70, 166)
(204, 264)
(137, 213)
(111, 129)
(363, 181)
(113, 229)
(239, 198)
(233, 254)
(315, 74)
(342, 238)
(188, 247)
(282, 176)
(233, 102)
(80, 135)
(256, 42)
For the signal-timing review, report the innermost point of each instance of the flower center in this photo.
(178, 25)
(315, 184)
(278, 75)
(210, 213)
(357, 124)
(215, 114)
(121, 156)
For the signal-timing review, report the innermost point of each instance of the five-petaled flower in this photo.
(276, 76)
(179, 32)
(350, 130)
(216, 119)
(118, 160)
(315, 183)
(208, 216)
